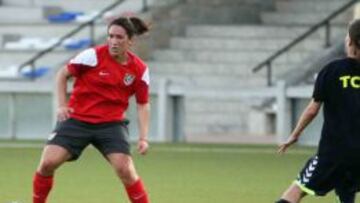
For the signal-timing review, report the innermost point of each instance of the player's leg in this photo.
(112, 142)
(66, 143)
(345, 196)
(318, 177)
(347, 186)
(53, 156)
(125, 170)
(292, 195)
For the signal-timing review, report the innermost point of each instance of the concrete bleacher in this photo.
(80, 5)
(25, 30)
(22, 36)
(304, 12)
(219, 55)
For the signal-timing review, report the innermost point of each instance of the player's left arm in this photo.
(143, 111)
(306, 117)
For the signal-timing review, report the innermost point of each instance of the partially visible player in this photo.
(336, 166)
(106, 76)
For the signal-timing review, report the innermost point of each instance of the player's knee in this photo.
(127, 174)
(124, 171)
(282, 201)
(47, 167)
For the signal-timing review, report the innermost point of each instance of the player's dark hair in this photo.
(132, 25)
(354, 33)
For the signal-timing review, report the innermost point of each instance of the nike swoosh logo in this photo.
(102, 73)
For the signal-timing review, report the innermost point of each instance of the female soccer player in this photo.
(106, 76)
(336, 164)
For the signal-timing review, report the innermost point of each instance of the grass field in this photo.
(173, 174)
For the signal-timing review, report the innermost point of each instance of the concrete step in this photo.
(10, 14)
(188, 68)
(309, 6)
(181, 75)
(171, 55)
(257, 31)
(220, 14)
(213, 81)
(194, 69)
(8, 58)
(223, 2)
(316, 1)
(26, 3)
(304, 18)
(234, 44)
(78, 5)
(47, 30)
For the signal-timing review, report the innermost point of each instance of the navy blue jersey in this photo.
(338, 88)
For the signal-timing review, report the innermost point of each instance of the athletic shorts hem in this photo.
(74, 156)
(304, 188)
(116, 151)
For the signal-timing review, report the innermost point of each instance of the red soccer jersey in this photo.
(103, 87)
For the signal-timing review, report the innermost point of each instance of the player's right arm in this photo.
(306, 117)
(63, 111)
(76, 66)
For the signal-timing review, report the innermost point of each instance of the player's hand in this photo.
(143, 146)
(64, 112)
(284, 146)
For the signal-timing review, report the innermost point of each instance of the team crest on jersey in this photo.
(128, 79)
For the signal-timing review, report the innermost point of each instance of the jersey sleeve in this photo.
(142, 87)
(319, 93)
(82, 62)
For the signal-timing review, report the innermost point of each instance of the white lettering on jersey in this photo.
(146, 77)
(87, 57)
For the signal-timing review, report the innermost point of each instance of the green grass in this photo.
(172, 173)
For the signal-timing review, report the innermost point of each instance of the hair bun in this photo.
(140, 27)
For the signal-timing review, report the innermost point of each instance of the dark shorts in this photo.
(75, 136)
(319, 176)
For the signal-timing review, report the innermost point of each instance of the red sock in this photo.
(41, 187)
(137, 193)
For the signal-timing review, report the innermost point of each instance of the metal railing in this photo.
(326, 22)
(91, 24)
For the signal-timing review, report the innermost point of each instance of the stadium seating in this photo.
(40, 28)
(219, 55)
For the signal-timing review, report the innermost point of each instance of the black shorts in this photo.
(319, 176)
(75, 136)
